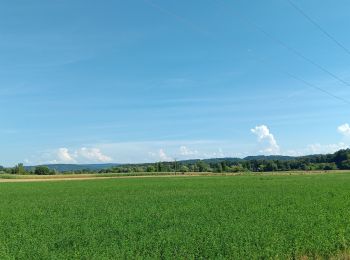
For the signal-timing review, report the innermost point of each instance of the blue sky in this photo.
(149, 80)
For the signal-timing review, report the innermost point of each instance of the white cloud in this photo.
(92, 154)
(185, 151)
(344, 129)
(160, 156)
(264, 135)
(154, 151)
(64, 156)
(317, 148)
(163, 156)
(217, 154)
(81, 155)
(327, 148)
(26, 161)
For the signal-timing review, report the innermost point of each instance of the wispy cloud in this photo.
(319, 148)
(325, 148)
(92, 154)
(179, 18)
(81, 155)
(184, 150)
(64, 156)
(160, 155)
(138, 152)
(344, 129)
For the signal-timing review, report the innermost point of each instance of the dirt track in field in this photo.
(89, 178)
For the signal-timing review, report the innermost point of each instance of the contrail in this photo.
(177, 17)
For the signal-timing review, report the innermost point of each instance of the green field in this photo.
(240, 217)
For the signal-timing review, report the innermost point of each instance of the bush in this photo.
(151, 168)
(42, 170)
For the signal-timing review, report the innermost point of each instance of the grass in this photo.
(240, 217)
(81, 176)
(90, 175)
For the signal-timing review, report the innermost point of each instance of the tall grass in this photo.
(242, 217)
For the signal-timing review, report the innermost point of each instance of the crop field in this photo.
(240, 217)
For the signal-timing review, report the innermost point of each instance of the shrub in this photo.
(42, 170)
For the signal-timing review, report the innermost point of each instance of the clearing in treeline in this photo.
(240, 217)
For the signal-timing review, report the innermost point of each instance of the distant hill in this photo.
(97, 167)
(76, 167)
(270, 157)
(227, 159)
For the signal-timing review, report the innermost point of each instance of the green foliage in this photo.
(338, 160)
(218, 167)
(42, 170)
(184, 168)
(19, 169)
(242, 217)
(202, 166)
(151, 168)
(237, 168)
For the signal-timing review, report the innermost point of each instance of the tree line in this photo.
(21, 170)
(338, 160)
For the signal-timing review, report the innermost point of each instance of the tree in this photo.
(345, 165)
(202, 166)
(223, 166)
(19, 169)
(330, 166)
(270, 166)
(159, 166)
(184, 168)
(219, 167)
(42, 170)
(237, 168)
(151, 168)
(340, 156)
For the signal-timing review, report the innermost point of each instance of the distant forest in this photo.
(339, 160)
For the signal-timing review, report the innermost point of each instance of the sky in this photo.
(155, 80)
